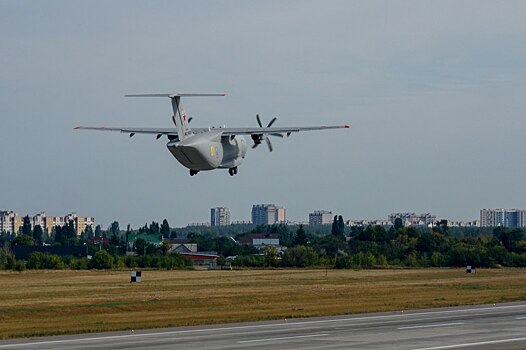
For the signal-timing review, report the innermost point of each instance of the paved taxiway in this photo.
(501, 326)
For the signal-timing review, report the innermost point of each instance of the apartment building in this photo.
(219, 216)
(320, 217)
(267, 214)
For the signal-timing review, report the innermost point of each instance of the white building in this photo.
(267, 214)
(503, 218)
(219, 216)
(320, 217)
(11, 222)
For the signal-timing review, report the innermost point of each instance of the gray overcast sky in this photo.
(434, 92)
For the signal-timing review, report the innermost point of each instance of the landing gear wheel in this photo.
(193, 172)
(232, 171)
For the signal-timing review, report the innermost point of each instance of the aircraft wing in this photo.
(162, 131)
(226, 131)
(132, 131)
(277, 130)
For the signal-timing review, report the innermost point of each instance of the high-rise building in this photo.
(80, 222)
(10, 222)
(503, 218)
(320, 217)
(219, 216)
(267, 214)
(413, 218)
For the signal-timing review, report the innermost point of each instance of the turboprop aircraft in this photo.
(209, 148)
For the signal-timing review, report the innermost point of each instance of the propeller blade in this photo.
(255, 145)
(259, 121)
(190, 119)
(158, 136)
(269, 144)
(276, 134)
(272, 122)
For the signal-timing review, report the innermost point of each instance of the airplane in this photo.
(200, 149)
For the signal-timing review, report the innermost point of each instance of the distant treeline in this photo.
(333, 245)
(101, 260)
(378, 246)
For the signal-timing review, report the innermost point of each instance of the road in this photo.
(501, 326)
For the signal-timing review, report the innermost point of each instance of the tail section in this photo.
(179, 117)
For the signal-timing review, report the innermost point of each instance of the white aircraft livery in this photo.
(209, 148)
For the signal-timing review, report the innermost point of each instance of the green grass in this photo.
(36, 303)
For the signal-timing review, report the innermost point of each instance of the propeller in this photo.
(258, 138)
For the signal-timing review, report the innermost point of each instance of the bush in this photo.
(19, 266)
(102, 260)
(300, 256)
(78, 264)
(37, 261)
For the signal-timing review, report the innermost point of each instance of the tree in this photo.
(300, 256)
(398, 224)
(88, 232)
(38, 234)
(164, 248)
(23, 240)
(143, 248)
(128, 233)
(26, 226)
(7, 258)
(286, 236)
(115, 233)
(69, 233)
(101, 260)
(441, 227)
(57, 234)
(98, 231)
(338, 227)
(154, 228)
(165, 229)
(508, 238)
(301, 237)
(330, 246)
(270, 256)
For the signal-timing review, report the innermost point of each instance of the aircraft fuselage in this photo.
(208, 151)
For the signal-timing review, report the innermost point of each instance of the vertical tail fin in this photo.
(180, 118)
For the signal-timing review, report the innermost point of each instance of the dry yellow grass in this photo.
(58, 302)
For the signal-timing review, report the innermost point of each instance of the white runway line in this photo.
(432, 325)
(270, 325)
(489, 342)
(282, 338)
(521, 318)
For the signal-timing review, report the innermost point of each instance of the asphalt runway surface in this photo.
(501, 326)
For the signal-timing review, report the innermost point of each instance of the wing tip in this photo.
(346, 126)
(76, 128)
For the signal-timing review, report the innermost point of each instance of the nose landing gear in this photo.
(232, 171)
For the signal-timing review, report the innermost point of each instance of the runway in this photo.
(501, 326)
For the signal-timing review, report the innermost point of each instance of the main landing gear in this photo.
(232, 171)
(193, 172)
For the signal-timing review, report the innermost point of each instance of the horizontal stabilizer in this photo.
(172, 95)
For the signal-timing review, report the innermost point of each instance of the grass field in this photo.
(34, 303)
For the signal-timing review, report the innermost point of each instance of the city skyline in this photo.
(433, 91)
(221, 216)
